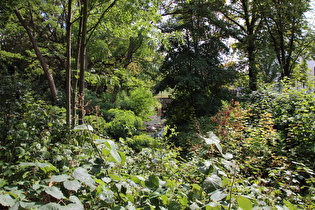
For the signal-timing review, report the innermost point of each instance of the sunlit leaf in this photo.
(72, 185)
(244, 203)
(50, 206)
(6, 200)
(212, 183)
(55, 192)
(59, 178)
(82, 175)
(213, 139)
(218, 196)
(77, 203)
(152, 182)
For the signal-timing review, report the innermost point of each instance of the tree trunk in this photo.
(83, 62)
(40, 57)
(252, 71)
(68, 70)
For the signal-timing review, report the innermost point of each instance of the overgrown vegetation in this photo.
(247, 162)
(237, 134)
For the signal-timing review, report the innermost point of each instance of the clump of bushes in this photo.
(138, 142)
(123, 124)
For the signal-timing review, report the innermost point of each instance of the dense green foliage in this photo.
(192, 68)
(91, 172)
(237, 133)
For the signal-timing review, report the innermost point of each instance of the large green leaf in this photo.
(3, 182)
(72, 206)
(75, 199)
(213, 139)
(59, 178)
(113, 151)
(55, 192)
(107, 195)
(82, 175)
(244, 203)
(6, 200)
(72, 185)
(50, 206)
(218, 196)
(152, 182)
(46, 167)
(28, 205)
(75, 205)
(212, 183)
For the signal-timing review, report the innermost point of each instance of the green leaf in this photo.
(107, 195)
(115, 177)
(106, 152)
(153, 182)
(55, 192)
(244, 203)
(183, 199)
(289, 205)
(15, 206)
(3, 182)
(194, 206)
(72, 206)
(213, 206)
(213, 139)
(46, 167)
(6, 200)
(59, 178)
(73, 185)
(50, 206)
(28, 205)
(174, 205)
(113, 151)
(75, 199)
(26, 164)
(123, 158)
(138, 179)
(218, 196)
(164, 199)
(82, 175)
(212, 183)
(77, 204)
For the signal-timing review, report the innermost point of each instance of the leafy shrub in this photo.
(139, 100)
(98, 103)
(98, 123)
(102, 174)
(249, 134)
(293, 110)
(39, 124)
(138, 142)
(123, 124)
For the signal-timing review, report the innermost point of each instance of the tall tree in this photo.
(39, 54)
(192, 69)
(83, 51)
(245, 17)
(285, 21)
(69, 67)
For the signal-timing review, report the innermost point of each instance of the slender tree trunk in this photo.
(68, 70)
(75, 73)
(252, 71)
(39, 55)
(83, 61)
